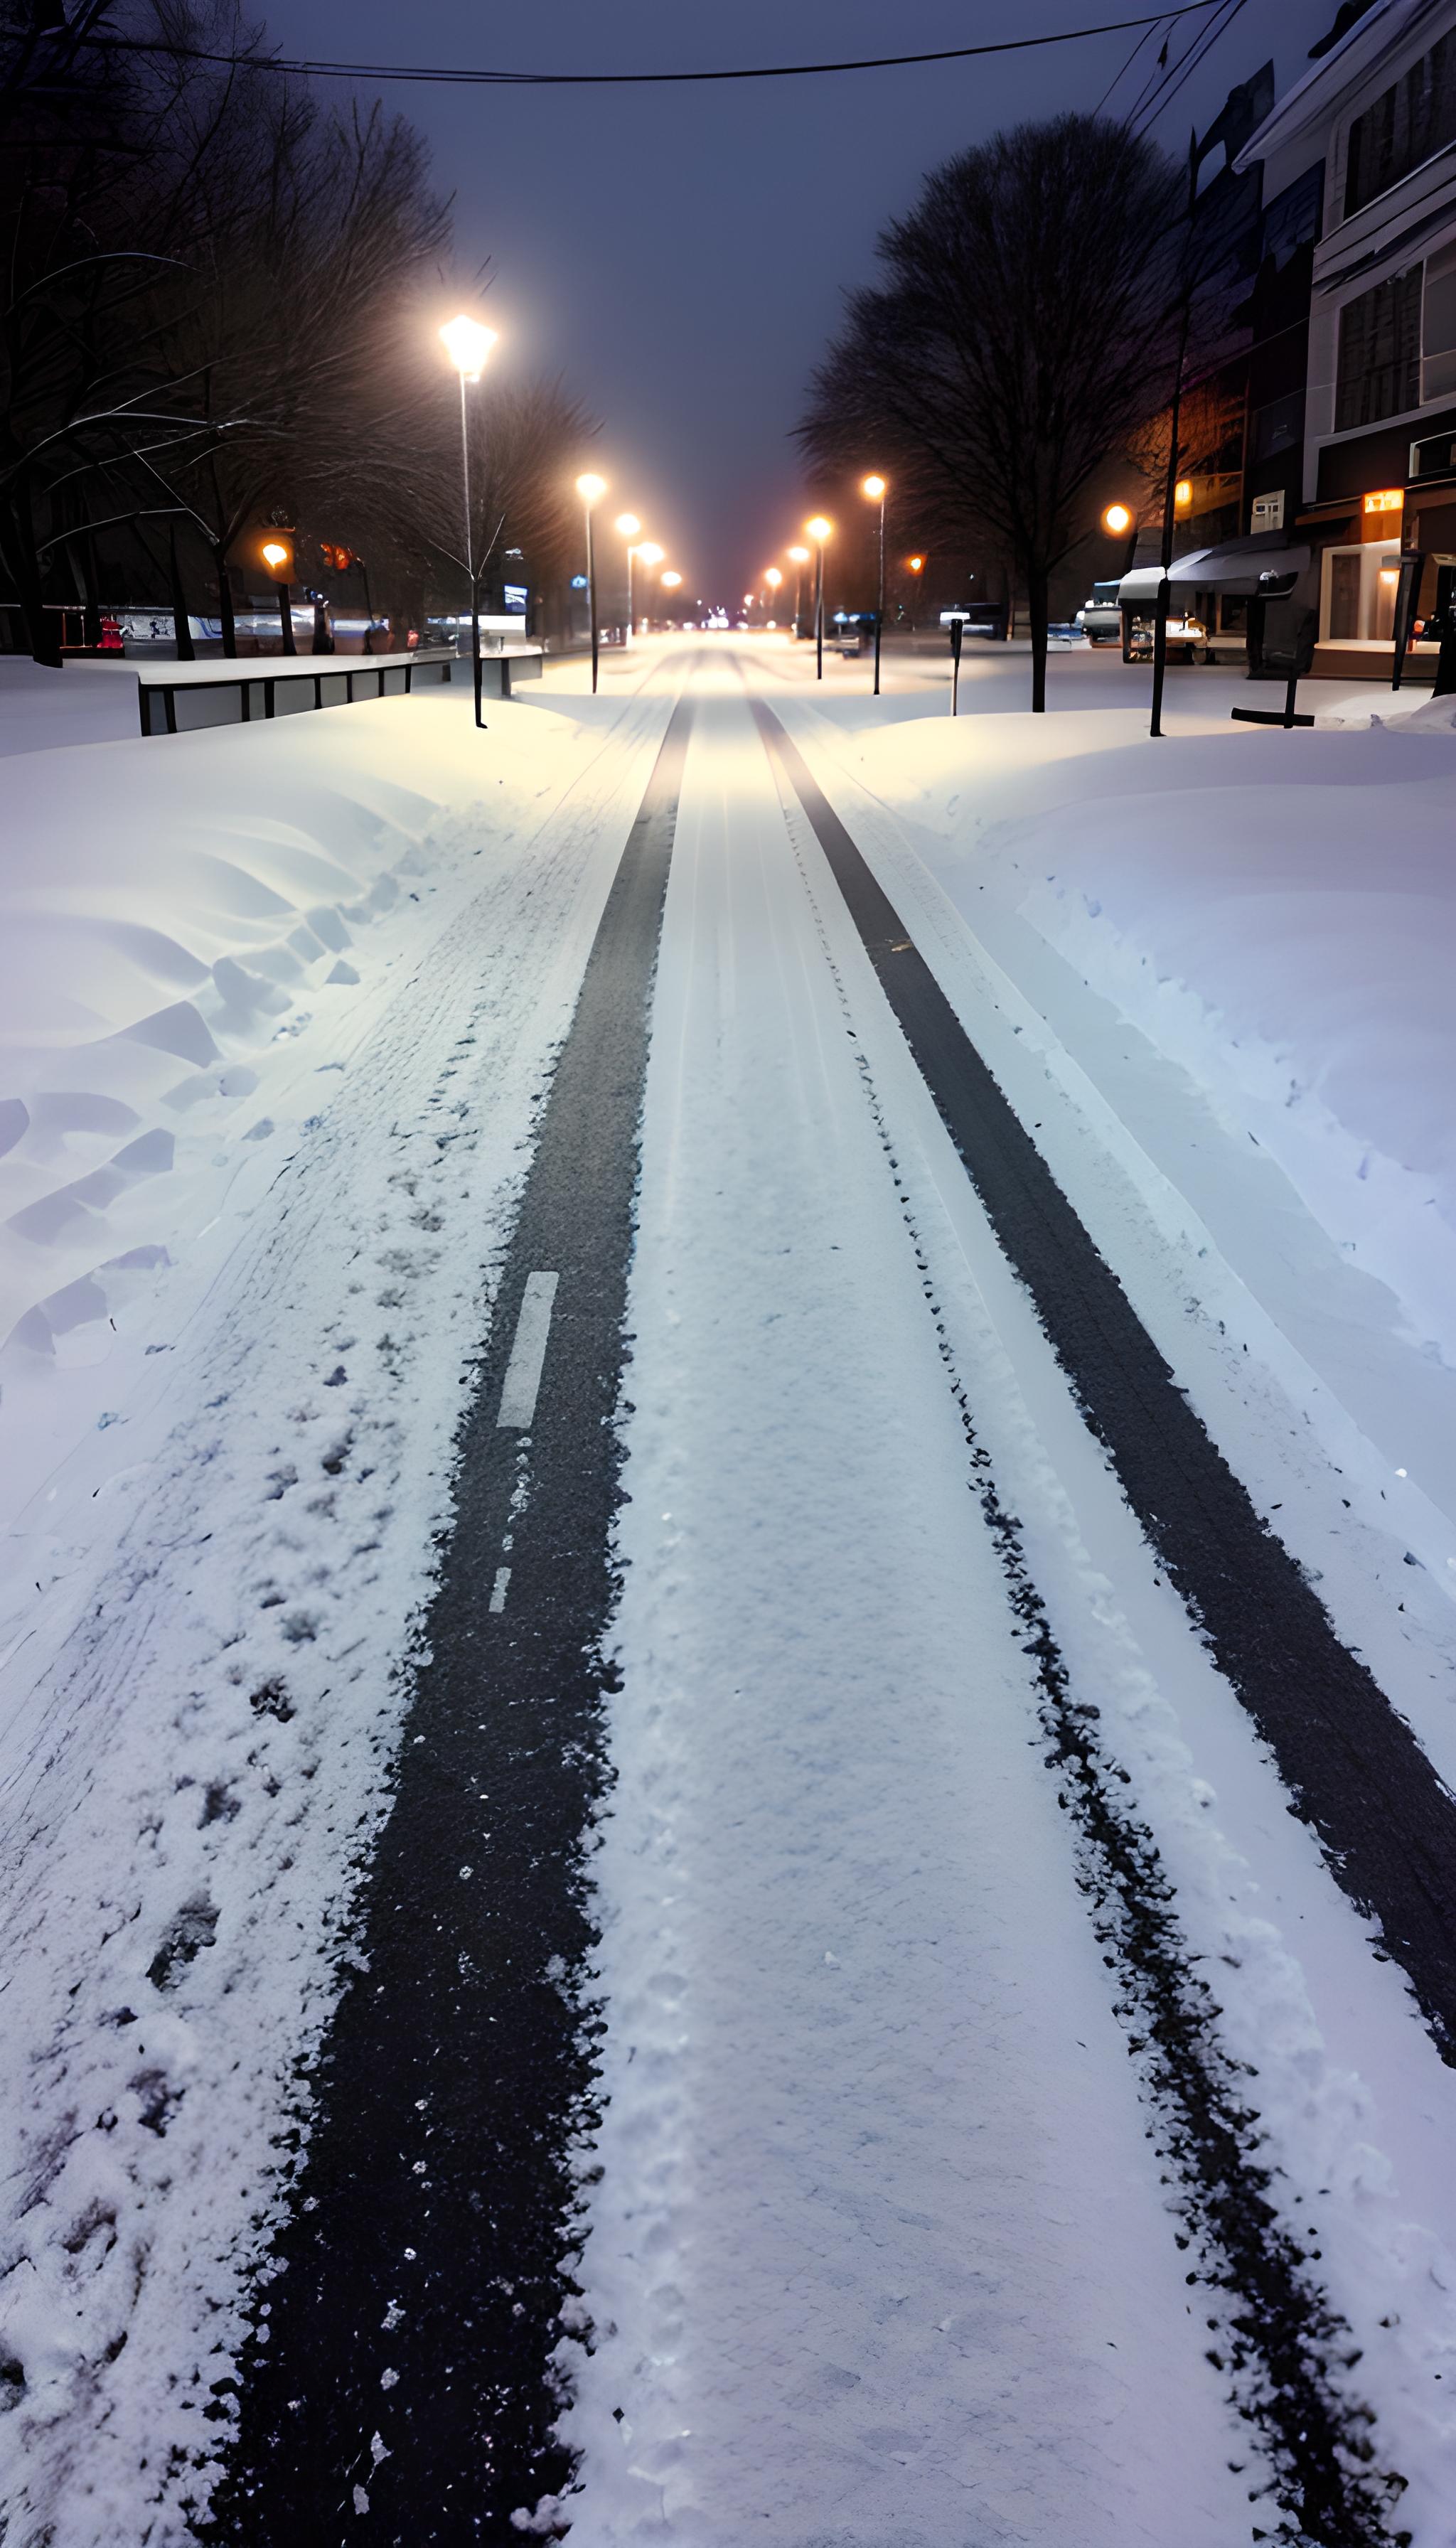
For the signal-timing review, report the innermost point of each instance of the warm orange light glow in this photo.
(590, 489)
(1183, 492)
(819, 529)
(875, 489)
(800, 557)
(774, 574)
(916, 564)
(468, 343)
(1117, 519)
(629, 525)
(650, 553)
(1386, 500)
(275, 554)
(672, 578)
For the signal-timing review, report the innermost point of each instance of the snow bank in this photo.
(288, 1002)
(1276, 912)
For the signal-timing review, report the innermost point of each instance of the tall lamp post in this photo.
(629, 527)
(916, 567)
(468, 343)
(772, 577)
(819, 532)
(591, 488)
(277, 557)
(875, 489)
(651, 555)
(800, 559)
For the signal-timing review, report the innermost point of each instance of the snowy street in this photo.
(729, 1444)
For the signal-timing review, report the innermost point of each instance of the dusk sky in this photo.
(679, 253)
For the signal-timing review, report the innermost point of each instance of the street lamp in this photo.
(800, 557)
(277, 556)
(875, 489)
(819, 532)
(1117, 519)
(774, 577)
(671, 579)
(590, 489)
(468, 343)
(629, 527)
(916, 566)
(651, 555)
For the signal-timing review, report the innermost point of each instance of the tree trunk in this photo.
(17, 547)
(186, 651)
(226, 611)
(1037, 612)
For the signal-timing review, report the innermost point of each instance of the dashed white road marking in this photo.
(528, 1353)
(498, 1588)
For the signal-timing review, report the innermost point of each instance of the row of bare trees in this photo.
(1036, 311)
(217, 310)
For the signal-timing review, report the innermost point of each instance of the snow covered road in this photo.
(1006, 2127)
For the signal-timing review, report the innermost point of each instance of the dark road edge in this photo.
(399, 2384)
(1386, 1821)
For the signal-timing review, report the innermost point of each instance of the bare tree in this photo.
(1028, 322)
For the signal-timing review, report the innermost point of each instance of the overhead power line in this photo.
(432, 76)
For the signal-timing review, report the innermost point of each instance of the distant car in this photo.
(1099, 619)
(1187, 636)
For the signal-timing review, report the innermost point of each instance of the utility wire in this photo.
(429, 76)
(1198, 51)
(1118, 77)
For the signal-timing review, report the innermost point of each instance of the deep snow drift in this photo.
(283, 1001)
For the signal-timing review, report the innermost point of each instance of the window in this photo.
(1413, 121)
(1293, 218)
(1438, 326)
(1277, 426)
(1378, 367)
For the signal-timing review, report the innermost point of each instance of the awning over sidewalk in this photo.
(1236, 566)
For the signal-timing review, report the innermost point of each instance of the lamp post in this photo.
(468, 343)
(277, 557)
(875, 489)
(916, 567)
(772, 577)
(819, 532)
(629, 527)
(800, 558)
(651, 555)
(591, 488)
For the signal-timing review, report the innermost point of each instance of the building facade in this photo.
(1359, 457)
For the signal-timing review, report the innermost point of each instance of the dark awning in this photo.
(1235, 565)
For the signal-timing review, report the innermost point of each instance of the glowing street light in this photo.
(1117, 519)
(629, 527)
(800, 559)
(1183, 492)
(875, 489)
(591, 488)
(819, 532)
(277, 557)
(672, 578)
(916, 567)
(468, 343)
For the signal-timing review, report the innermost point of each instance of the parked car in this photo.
(1099, 619)
(1187, 636)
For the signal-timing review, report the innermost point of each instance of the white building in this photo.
(1378, 112)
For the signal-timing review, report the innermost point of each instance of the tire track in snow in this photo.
(1284, 2349)
(1385, 1819)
